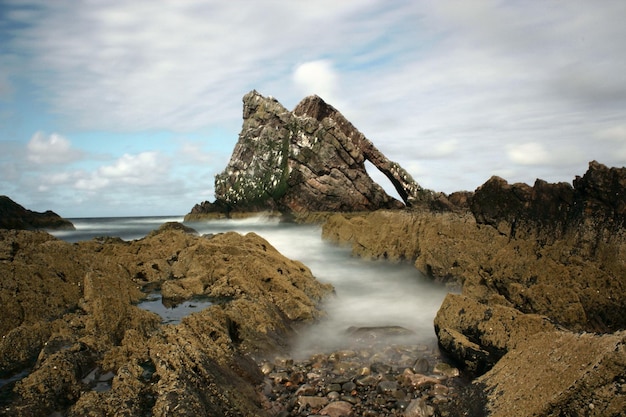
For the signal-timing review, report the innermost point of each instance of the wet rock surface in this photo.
(75, 343)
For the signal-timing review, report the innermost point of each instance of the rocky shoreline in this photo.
(14, 216)
(372, 380)
(536, 330)
(74, 343)
(543, 297)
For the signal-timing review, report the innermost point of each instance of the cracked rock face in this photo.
(309, 159)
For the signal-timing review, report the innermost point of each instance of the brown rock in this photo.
(552, 210)
(338, 409)
(532, 261)
(77, 314)
(478, 335)
(559, 373)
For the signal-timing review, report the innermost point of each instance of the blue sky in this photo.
(114, 108)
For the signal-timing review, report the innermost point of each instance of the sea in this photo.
(368, 293)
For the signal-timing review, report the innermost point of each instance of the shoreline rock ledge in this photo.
(311, 159)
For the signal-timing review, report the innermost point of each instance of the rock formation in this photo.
(596, 201)
(14, 216)
(538, 266)
(309, 160)
(70, 323)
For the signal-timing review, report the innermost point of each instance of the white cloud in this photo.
(194, 152)
(143, 169)
(92, 183)
(51, 149)
(135, 169)
(529, 153)
(316, 77)
(445, 148)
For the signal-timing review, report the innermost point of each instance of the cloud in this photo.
(529, 153)
(51, 149)
(143, 169)
(185, 64)
(316, 77)
(193, 152)
(613, 134)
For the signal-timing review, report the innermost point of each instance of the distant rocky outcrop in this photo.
(75, 341)
(14, 216)
(596, 200)
(539, 266)
(308, 160)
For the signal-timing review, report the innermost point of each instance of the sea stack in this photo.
(311, 159)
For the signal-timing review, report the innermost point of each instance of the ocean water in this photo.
(369, 294)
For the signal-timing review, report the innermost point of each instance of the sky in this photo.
(130, 108)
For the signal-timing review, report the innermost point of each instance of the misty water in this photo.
(368, 293)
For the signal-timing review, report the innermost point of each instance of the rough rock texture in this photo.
(70, 322)
(547, 258)
(559, 374)
(483, 333)
(308, 160)
(14, 216)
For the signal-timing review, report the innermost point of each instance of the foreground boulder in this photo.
(309, 160)
(71, 327)
(532, 261)
(14, 216)
(559, 374)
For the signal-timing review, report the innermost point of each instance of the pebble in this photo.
(337, 409)
(402, 380)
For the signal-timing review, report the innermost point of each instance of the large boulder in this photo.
(311, 159)
(552, 374)
(14, 216)
(479, 335)
(71, 323)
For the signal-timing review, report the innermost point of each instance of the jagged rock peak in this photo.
(314, 106)
(309, 159)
